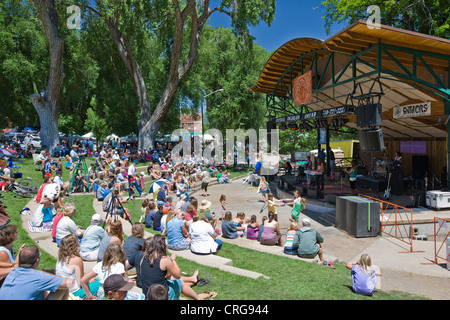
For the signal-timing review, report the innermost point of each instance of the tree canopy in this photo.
(425, 16)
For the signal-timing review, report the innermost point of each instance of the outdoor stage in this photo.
(410, 198)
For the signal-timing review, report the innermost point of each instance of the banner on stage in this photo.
(412, 110)
(414, 147)
(303, 89)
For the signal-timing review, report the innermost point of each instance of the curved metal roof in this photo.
(350, 40)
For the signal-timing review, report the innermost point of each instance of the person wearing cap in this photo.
(308, 241)
(116, 287)
(92, 238)
(73, 153)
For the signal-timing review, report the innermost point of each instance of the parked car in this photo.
(36, 142)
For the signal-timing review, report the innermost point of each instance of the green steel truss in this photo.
(280, 102)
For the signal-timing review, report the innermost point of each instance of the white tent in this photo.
(112, 136)
(208, 137)
(89, 135)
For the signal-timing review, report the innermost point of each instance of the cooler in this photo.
(438, 199)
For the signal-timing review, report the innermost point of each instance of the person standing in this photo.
(132, 176)
(352, 177)
(397, 175)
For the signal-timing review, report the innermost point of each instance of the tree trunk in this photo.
(48, 117)
(47, 105)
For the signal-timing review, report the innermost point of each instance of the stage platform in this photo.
(326, 199)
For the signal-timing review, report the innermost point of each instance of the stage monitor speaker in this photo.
(371, 140)
(341, 212)
(369, 115)
(362, 217)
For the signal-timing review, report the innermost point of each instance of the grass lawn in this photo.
(290, 279)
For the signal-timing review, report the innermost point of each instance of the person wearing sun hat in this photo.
(203, 210)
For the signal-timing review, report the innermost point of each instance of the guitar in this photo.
(387, 193)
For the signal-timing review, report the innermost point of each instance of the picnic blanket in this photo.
(46, 227)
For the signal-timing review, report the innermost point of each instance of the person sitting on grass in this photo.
(154, 266)
(70, 265)
(157, 292)
(116, 287)
(27, 283)
(229, 229)
(364, 277)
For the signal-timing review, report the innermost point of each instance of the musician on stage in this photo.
(352, 177)
(320, 170)
(397, 175)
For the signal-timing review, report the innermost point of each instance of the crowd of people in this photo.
(184, 224)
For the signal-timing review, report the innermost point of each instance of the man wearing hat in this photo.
(92, 238)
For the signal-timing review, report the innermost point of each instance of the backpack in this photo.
(4, 217)
(105, 203)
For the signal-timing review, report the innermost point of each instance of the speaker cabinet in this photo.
(369, 115)
(371, 140)
(362, 217)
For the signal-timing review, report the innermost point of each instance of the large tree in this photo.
(424, 16)
(178, 25)
(47, 103)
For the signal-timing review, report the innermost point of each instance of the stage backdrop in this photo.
(303, 89)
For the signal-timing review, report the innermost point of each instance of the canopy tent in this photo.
(111, 137)
(89, 135)
(208, 137)
(130, 137)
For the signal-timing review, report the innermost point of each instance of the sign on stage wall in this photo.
(414, 147)
(303, 89)
(412, 110)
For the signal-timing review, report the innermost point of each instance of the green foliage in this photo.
(424, 16)
(23, 62)
(227, 62)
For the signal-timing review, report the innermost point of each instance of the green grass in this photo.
(290, 279)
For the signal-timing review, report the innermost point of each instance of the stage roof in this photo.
(356, 38)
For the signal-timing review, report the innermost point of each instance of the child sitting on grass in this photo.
(364, 277)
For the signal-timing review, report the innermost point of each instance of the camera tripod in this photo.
(113, 206)
(80, 164)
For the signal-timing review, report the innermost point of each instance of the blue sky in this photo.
(293, 19)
